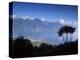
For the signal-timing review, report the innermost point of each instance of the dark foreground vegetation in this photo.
(21, 47)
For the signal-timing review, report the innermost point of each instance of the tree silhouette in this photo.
(66, 29)
(22, 47)
(72, 30)
(60, 33)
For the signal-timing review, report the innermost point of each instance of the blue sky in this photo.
(63, 14)
(47, 11)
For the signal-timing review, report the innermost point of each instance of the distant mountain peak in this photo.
(37, 19)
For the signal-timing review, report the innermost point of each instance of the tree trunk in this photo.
(63, 39)
(66, 37)
(71, 37)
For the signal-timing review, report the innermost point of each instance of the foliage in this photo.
(66, 29)
(21, 47)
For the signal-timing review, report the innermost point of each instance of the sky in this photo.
(64, 14)
(50, 12)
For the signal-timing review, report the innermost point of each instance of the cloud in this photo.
(13, 16)
(65, 22)
(32, 18)
(75, 36)
(61, 21)
(25, 17)
(75, 23)
(42, 19)
(36, 43)
(69, 22)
